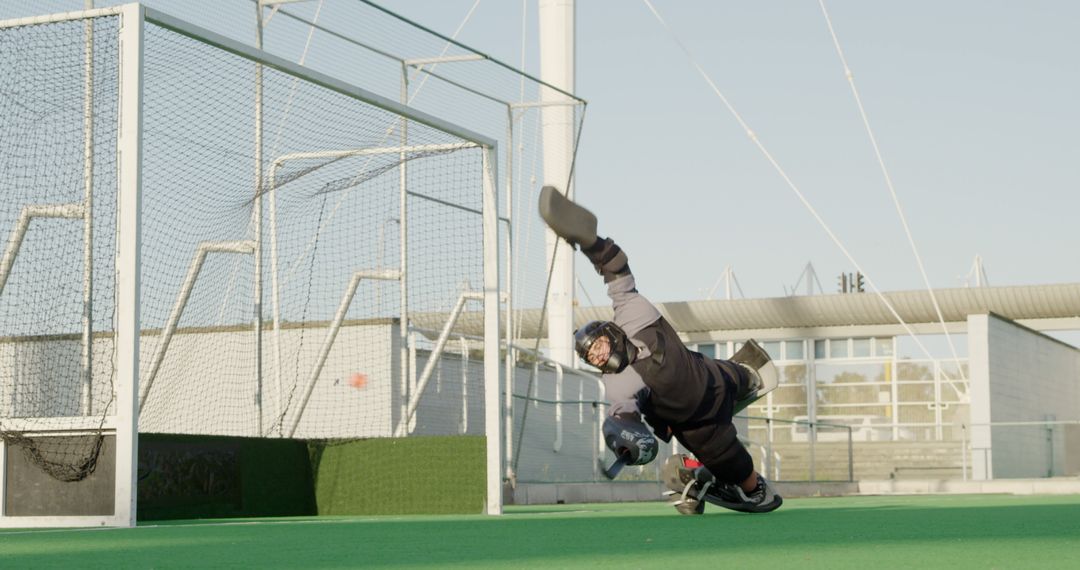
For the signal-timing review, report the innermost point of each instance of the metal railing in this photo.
(784, 449)
(771, 455)
(1029, 449)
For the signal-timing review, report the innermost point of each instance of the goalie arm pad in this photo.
(607, 258)
(626, 435)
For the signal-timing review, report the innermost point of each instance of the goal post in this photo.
(128, 270)
(141, 307)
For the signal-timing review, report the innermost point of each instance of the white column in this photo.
(557, 69)
(129, 172)
(982, 461)
(492, 409)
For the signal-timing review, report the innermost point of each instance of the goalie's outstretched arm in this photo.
(577, 225)
(633, 312)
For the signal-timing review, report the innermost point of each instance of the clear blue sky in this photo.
(974, 104)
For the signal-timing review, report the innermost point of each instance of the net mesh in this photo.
(334, 169)
(56, 369)
(297, 334)
(363, 44)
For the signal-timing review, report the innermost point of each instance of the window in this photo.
(721, 350)
(708, 349)
(819, 348)
(860, 347)
(793, 350)
(838, 348)
(773, 348)
(883, 346)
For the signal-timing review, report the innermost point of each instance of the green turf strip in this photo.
(995, 531)
(384, 477)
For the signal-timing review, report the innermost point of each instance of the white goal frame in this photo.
(123, 422)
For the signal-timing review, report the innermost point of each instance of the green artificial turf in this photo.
(420, 474)
(987, 531)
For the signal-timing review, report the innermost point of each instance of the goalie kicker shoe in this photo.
(681, 475)
(762, 499)
(691, 485)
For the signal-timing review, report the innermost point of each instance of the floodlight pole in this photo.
(557, 69)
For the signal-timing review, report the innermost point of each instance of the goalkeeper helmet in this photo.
(604, 345)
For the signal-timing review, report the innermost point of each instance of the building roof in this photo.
(1030, 304)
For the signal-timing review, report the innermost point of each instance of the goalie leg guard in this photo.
(757, 374)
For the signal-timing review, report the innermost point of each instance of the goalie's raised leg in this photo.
(568, 220)
(762, 374)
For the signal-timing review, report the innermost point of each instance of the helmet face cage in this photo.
(588, 334)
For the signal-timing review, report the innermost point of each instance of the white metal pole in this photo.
(894, 389)
(557, 444)
(937, 400)
(3, 477)
(963, 450)
(331, 336)
(414, 382)
(128, 245)
(403, 245)
(492, 410)
(22, 225)
(204, 248)
(88, 219)
(464, 386)
(408, 421)
(511, 354)
(275, 284)
(557, 69)
(257, 214)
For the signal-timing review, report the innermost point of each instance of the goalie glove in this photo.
(627, 436)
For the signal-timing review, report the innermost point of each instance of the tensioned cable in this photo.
(768, 156)
(309, 248)
(296, 265)
(446, 48)
(532, 375)
(547, 293)
(517, 153)
(527, 230)
(889, 184)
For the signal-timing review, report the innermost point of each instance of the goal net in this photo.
(303, 250)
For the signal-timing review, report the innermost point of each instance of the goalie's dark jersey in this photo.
(670, 384)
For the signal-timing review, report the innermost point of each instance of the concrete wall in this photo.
(206, 384)
(1019, 375)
